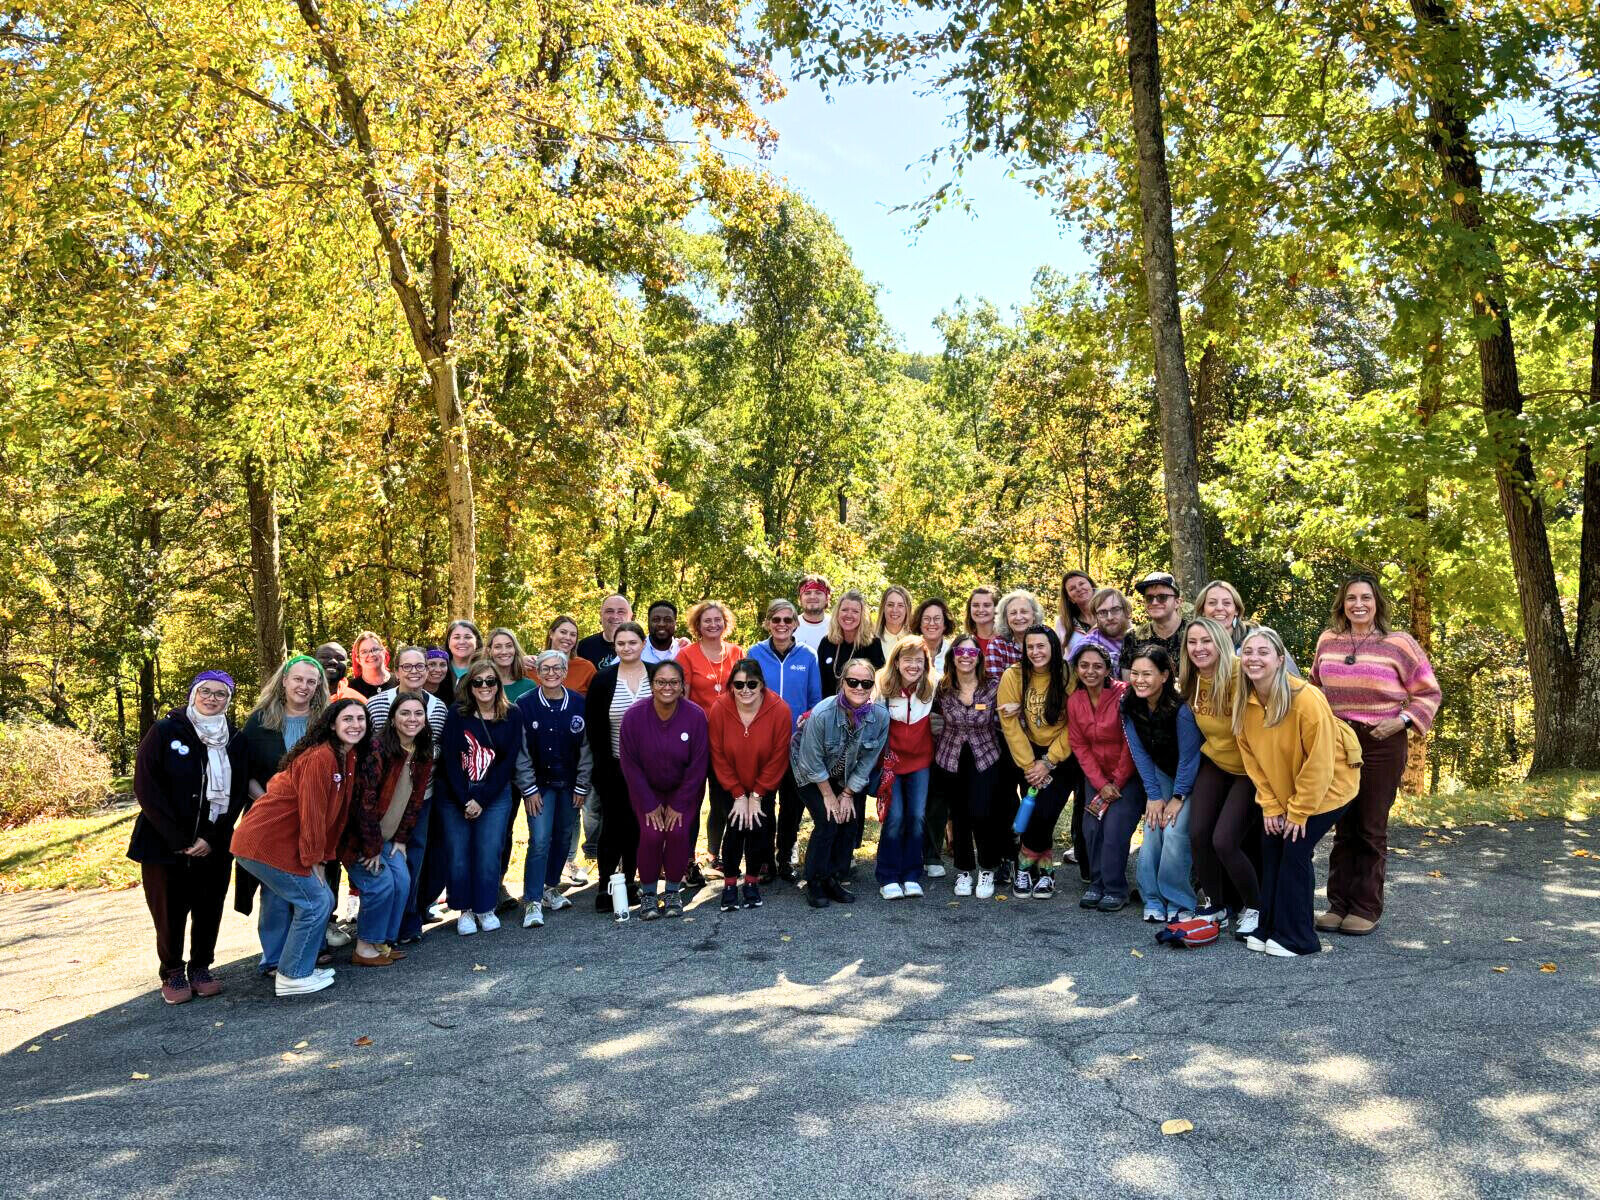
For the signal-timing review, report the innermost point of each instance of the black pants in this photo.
(969, 798)
(1288, 885)
(1220, 825)
(828, 855)
(619, 827)
(1008, 789)
(790, 808)
(1080, 844)
(1040, 833)
(435, 876)
(187, 897)
(753, 846)
(719, 804)
(935, 820)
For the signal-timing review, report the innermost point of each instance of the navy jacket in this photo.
(555, 752)
(502, 738)
(169, 783)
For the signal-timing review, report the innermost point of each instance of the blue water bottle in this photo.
(1024, 812)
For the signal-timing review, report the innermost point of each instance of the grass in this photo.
(1566, 795)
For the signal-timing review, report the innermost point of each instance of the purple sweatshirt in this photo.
(665, 762)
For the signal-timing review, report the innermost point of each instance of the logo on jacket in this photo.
(577, 724)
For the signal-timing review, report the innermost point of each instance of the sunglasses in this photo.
(860, 685)
(966, 652)
(780, 620)
(1157, 597)
(485, 683)
(745, 685)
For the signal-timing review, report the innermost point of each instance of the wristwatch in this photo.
(1405, 719)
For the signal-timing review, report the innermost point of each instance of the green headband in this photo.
(302, 658)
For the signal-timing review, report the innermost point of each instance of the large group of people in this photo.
(1025, 748)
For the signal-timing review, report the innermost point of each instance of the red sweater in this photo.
(750, 761)
(298, 822)
(1097, 737)
(910, 732)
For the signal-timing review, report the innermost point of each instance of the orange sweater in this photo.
(750, 761)
(1308, 763)
(298, 822)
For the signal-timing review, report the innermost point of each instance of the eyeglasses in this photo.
(479, 684)
(210, 694)
(966, 652)
(780, 620)
(371, 656)
(408, 667)
(745, 685)
(551, 668)
(1159, 597)
(859, 685)
(666, 683)
(1109, 610)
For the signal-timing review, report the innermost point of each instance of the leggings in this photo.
(1224, 816)
(1047, 805)
(720, 804)
(753, 846)
(969, 797)
(619, 828)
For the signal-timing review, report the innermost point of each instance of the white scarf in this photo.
(213, 733)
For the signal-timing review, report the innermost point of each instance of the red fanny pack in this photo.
(1198, 932)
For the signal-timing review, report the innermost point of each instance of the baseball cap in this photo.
(1155, 578)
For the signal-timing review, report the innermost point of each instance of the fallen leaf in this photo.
(363, 1041)
(139, 1075)
(334, 1066)
(952, 904)
(1435, 874)
(35, 1048)
(479, 967)
(577, 968)
(1136, 953)
(1002, 897)
(961, 1058)
(289, 1056)
(58, 1037)
(785, 938)
(1134, 1057)
(216, 1024)
(1500, 970)
(1580, 852)
(1548, 968)
(1176, 1125)
(301, 1045)
(1513, 939)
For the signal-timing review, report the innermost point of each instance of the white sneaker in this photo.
(1271, 947)
(488, 922)
(963, 883)
(985, 885)
(892, 891)
(466, 923)
(532, 914)
(1248, 920)
(579, 877)
(555, 901)
(326, 972)
(335, 937)
(1254, 943)
(913, 890)
(934, 870)
(303, 986)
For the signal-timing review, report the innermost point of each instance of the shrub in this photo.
(47, 771)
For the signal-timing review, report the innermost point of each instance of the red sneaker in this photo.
(204, 982)
(175, 988)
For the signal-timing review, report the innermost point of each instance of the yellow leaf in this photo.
(785, 938)
(479, 967)
(961, 1058)
(1500, 970)
(35, 1048)
(1176, 1125)
(301, 1045)
(58, 1037)
(1134, 1057)
(1136, 953)
(1548, 968)
(289, 1056)
(1580, 852)
(1459, 198)
(1513, 939)
(139, 1075)
(1435, 874)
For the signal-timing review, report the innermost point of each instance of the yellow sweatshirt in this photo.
(1028, 728)
(1307, 763)
(1220, 746)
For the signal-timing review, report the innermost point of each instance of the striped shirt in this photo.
(621, 701)
(1390, 675)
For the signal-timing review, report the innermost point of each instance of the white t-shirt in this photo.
(810, 636)
(652, 655)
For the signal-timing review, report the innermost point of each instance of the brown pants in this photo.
(1360, 852)
(187, 897)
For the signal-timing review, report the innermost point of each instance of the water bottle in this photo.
(618, 887)
(1024, 812)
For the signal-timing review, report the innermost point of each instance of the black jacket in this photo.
(169, 783)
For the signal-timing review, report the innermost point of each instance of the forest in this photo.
(318, 316)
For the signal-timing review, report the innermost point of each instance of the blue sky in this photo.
(856, 155)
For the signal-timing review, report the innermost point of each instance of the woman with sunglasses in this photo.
(965, 755)
(664, 749)
(477, 756)
(790, 670)
(750, 731)
(553, 770)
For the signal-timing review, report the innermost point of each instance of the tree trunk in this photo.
(1419, 557)
(266, 582)
(1180, 464)
(458, 470)
(148, 543)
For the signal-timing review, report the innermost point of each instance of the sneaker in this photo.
(1183, 915)
(1112, 903)
(1045, 888)
(752, 896)
(651, 907)
(933, 870)
(555, 901)
(985, 888)
(1246, 923)
(837, 892)
(1157, 915)
(532, 915)
(730, 897)
(488, 922)
(1022, 882)
(1069, 855)
(786, 873)
(673, 905)
(912, 890)
(1255, 943)
(892, 891)
(578, 876)
(334, 936)
(1091, 898)
(1007, 869)
(963, 883)
(304, 986)
(507, 902)
(204, 982)
(466, 924)
(1273, 948)
(175, 987)
(322, 972)
(1214, 913)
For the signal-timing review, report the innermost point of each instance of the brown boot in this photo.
(1357, 926)
(1329, 921)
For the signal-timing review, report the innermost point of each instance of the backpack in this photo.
(1197, 932)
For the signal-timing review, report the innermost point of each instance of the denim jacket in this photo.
(826, 748)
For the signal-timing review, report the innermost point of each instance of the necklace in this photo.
(1350, 659)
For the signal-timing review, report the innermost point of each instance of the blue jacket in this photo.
(797, 679)
(1156, 781)
(504, 738)
(555, 752)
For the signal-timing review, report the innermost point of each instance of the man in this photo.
(372, 665)
(336, 665)
(1110, 632)
(1163, 605)
(614, 610)
(815, 595)
(661, 620)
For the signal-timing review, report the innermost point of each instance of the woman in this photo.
(750, 730)
(293, 830)
(1306, 765)
(1222, 818)
(505, 651)
(664, 749)
(1075, 607)
(849, 637)
(1114, 794)
(790, 670)
(981, 605)
(894, 618)
(464, 641)
(1221, 601)
(708, 662)
(833, 759)
(439, 678)
(477, 756)
(379, 828)
(1165, 743)
(370, 658)
(1378, 680)
(905, 689)
(1033, 716)
(563, 636)
(614, 691)
(933, 621)
(554, 765)
(1019, 612)
(965, 754)
(189, 779)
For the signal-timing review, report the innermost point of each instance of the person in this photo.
(661, 624)
(933, 621)
(189, 780)
(894, 618)
(336, 666)
(708, 662)
(980, 615)
(505, 652)
(815, 596)
(792, 671)
(1114, 793)
(750, 730)
(439, 678)
(1376, 679)
(966, 752)
(1075, 606)
(1221, 601)
(833, 759)
(1111, 632)
(410, 675)
(1033, 716)
(477, 755)
(1019, 612)
(554, 767)
(371, 659)
(1306, 766)
(849, 636)
(1223, 810)
(597, 647)
(376, 833)
(292, 832)
(664, 750)
(1165, 743)
(464, 640)
(293, 696)
(1163, 608)
(563, 636)
(615, 690)
(905, 689)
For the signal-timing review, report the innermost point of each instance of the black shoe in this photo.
(651, 908)
(1091, 898)
(815, 898)
(730, 897)
(1112, 903)
(602, 901)
(672, 906)
(507, 902)
(838, 892)
(766, 877)
(786, 873)
(752, 895)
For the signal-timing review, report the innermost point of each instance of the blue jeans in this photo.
(900, 838)
(1108, 836)
(416, 855)
(1165, 865)
(383, 895)
(475, 852)
(552, 828)
(291, 944)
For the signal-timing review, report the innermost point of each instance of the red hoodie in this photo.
(1097, 737)
(750, 761)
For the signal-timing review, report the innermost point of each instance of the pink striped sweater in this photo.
(1390, 675)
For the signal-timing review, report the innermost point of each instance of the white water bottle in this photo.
(618, 887)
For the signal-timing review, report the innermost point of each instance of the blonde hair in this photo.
(1221, 585)
(864, 635)
(516, 645)
(1277, 698)
(894, 589)
(1002, 627)
(692, 620)
(272, 706)
(891, 683)
(1222, 697)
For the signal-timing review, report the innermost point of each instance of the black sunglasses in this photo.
(486, 683)
(859, 685)
(745, 685)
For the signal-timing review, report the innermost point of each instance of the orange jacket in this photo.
(749, 761)
(298, 822)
